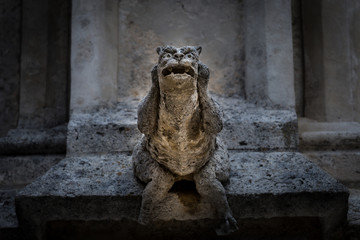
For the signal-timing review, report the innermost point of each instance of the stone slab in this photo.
(9, 225)
(34, 141)
(317, 136)
(342, 165)
(22, 170)
(246, 127)
(10, 35)
(142, 29)
(7, 209)
(354, 214)
(262, 186)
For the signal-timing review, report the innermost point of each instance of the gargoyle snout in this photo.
(178, 55)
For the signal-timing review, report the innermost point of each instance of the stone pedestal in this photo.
(94, 188)
(246, 127)
(102, 187)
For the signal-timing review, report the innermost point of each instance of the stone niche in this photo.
(144, 25)
(113, 46)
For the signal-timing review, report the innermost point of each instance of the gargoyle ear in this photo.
(198, 49)
(159, 50)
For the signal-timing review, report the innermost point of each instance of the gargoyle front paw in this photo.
(227, 227)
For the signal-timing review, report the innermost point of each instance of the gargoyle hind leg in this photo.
(211, 190)
(154, 192)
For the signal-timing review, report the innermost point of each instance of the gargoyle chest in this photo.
(180, 143)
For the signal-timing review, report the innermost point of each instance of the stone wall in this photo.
(332, 53)
(34, 64)
(246, 44)
(9, 63)
(34, 87)
(45, 66)
(216, 25)
(269, 73)
(94, 50)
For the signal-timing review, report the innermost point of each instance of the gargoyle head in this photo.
(178, 67)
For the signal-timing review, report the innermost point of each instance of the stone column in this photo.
(332, 52)
(9, 64)
(94, 54)
(33, 63)
(269, 54)
(44, 64)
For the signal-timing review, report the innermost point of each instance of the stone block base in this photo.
(262, 186)
(246, 127)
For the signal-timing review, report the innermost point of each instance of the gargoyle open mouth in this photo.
(179, 69)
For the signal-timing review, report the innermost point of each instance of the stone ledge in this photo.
(328, 135)
(7, 209)
(342, 165)
(34, 141)
(262, 186)
(354, 214)
(9, 226)
(22, 170)
(246, 127)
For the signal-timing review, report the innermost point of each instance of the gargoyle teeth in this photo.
(178, 70)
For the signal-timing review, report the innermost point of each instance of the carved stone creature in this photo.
(180, 123)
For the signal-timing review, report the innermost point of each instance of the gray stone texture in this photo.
(8, 217)
(354, 214)
(246, 127)
(262, 185)
(94, 39)
(331, 93)
(331, 53)
(342, 165)
(180, 123)
(18, 171)
(333, 136)
(142, 28)
(44, 64)
(334, 146)
(134, 35)
(34, 141)
(9, 225)
(297, 39)
(269, 53)
(9, 64)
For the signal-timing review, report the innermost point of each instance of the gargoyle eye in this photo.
(189, 55)
(167, 55)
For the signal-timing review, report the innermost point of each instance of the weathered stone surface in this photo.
(180, 123)
(142, 28)
(262, 185)
(342, 165)
(106, 130)
(331, 56)
(34, 141)
(246, 127)
(297, 39)
(7, 209)
(273, 228)
(94, 54)
(354, 207)
(269, 53)
(21, 170)
(354, 214)
(9, 63)
(9, 225)
(44, 83)
(328, 135)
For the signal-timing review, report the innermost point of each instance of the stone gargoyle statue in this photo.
(180, 122)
